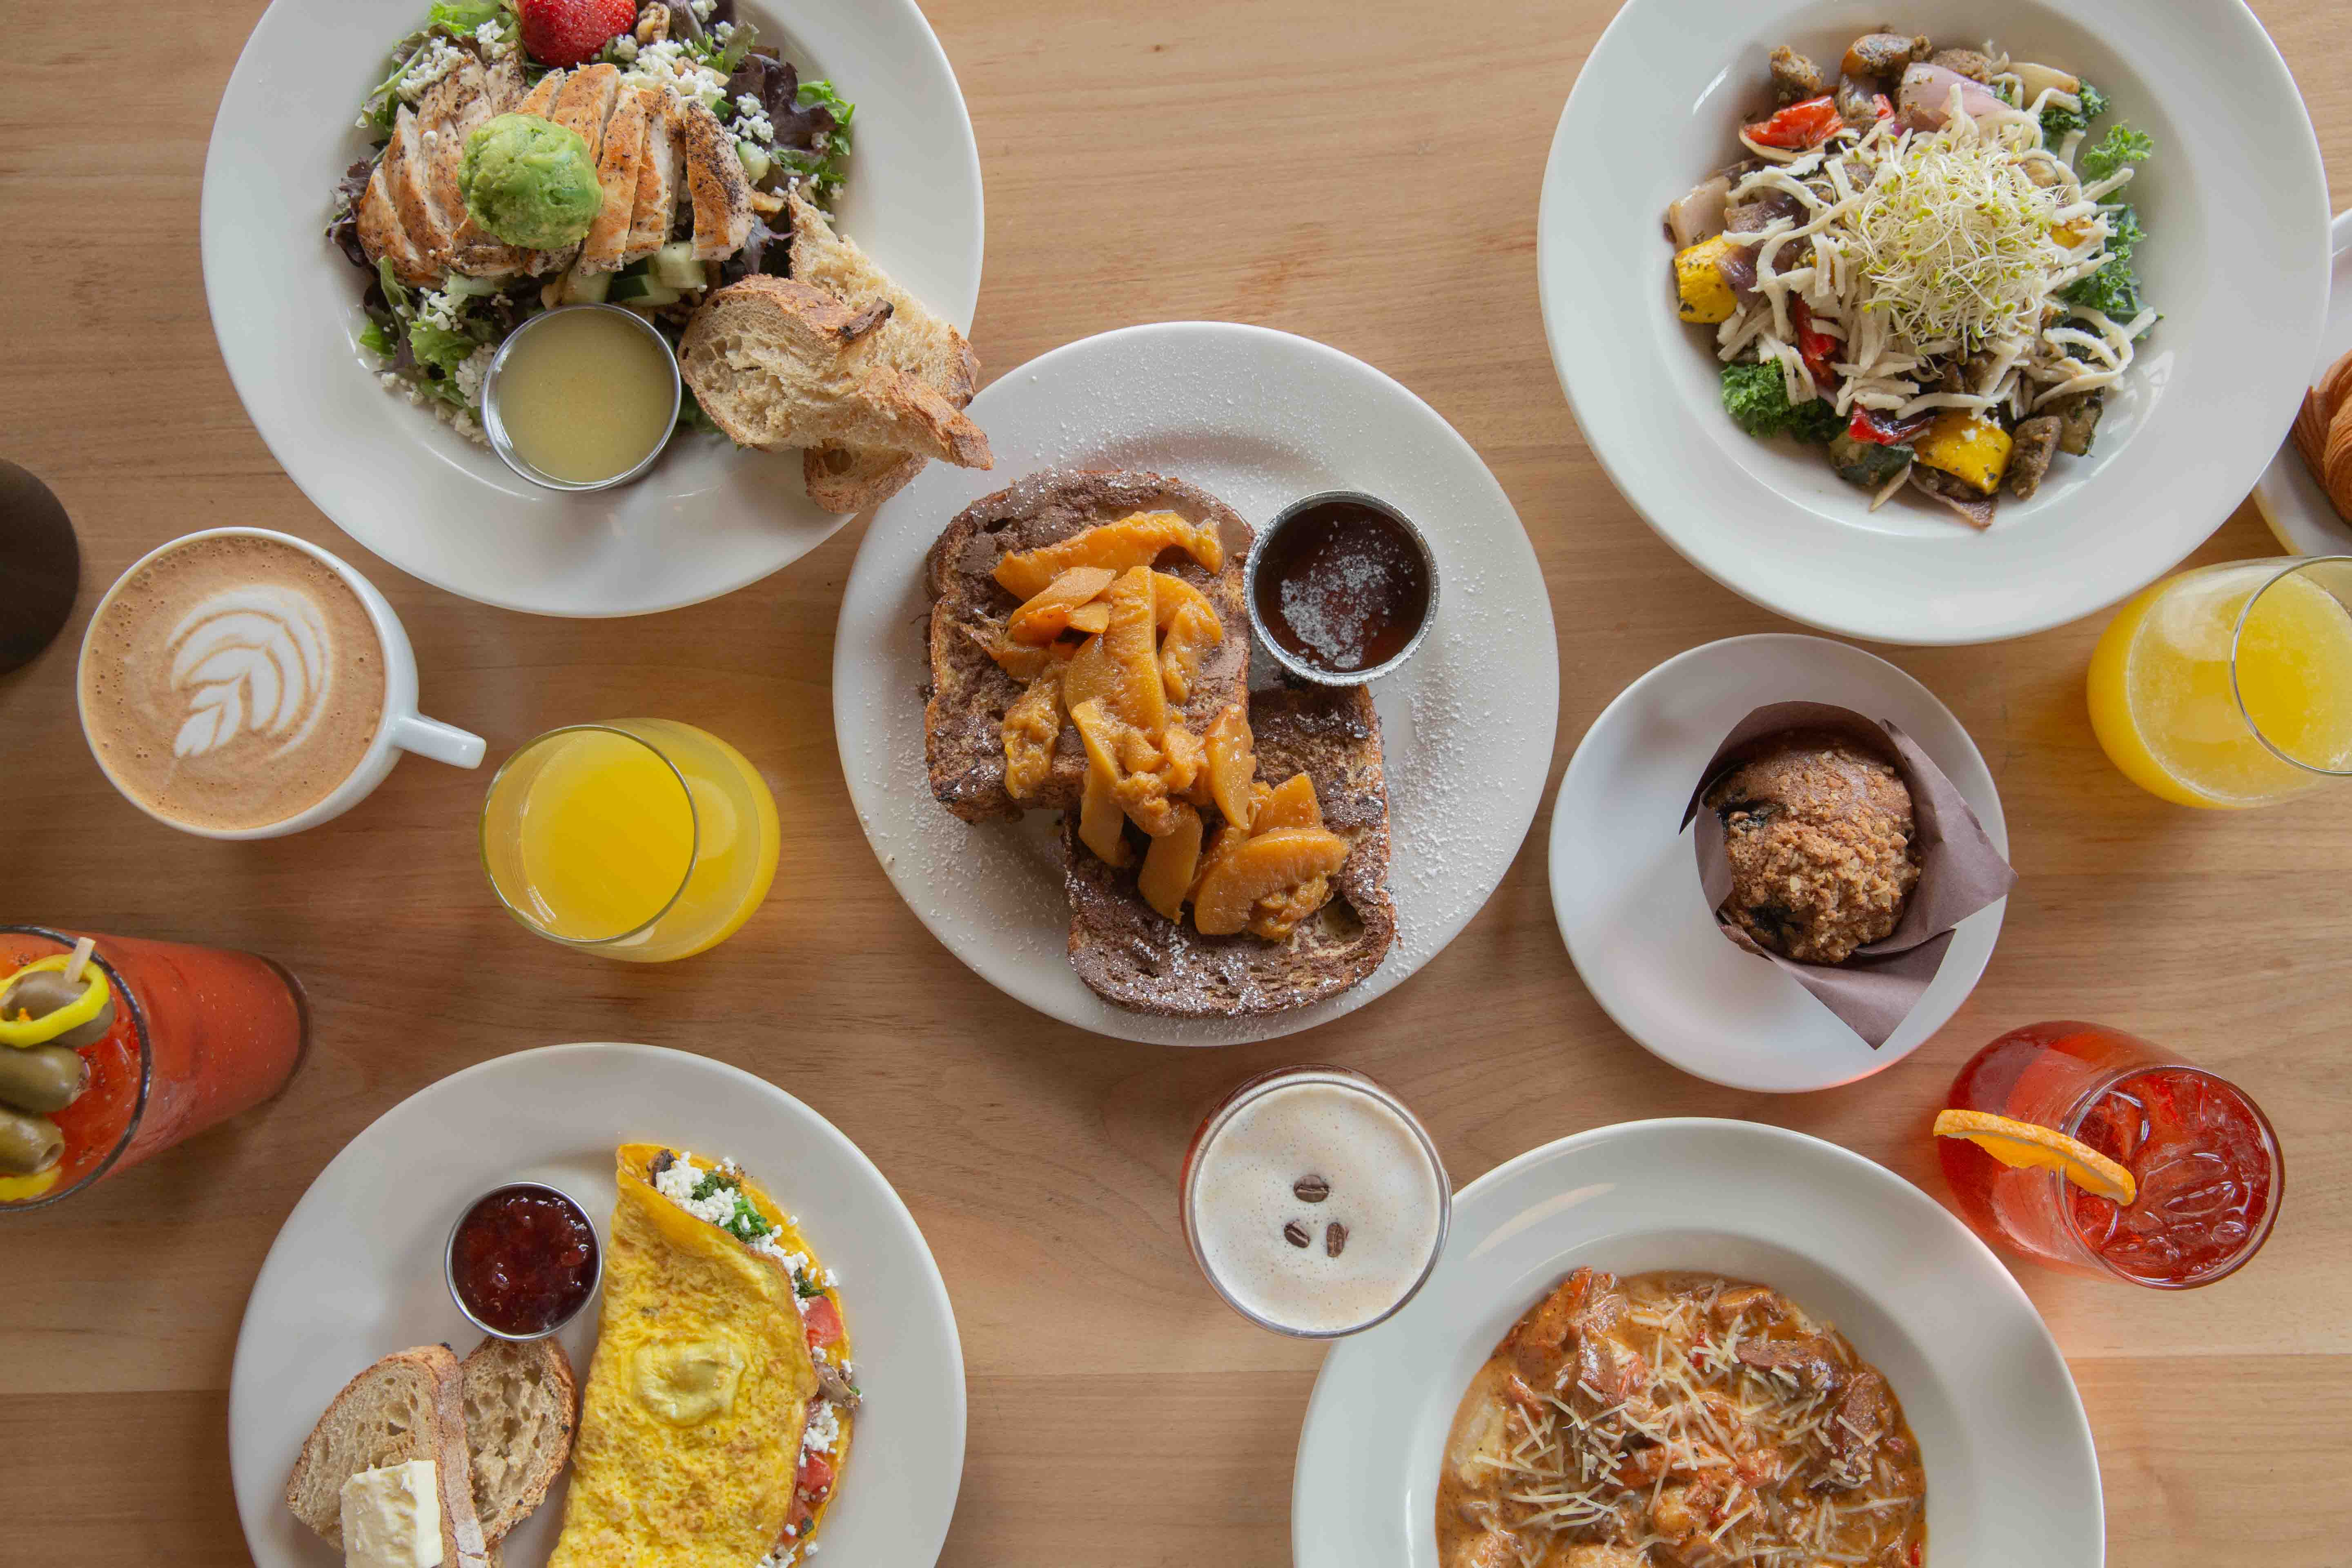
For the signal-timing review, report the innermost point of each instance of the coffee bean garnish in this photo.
(1335, 1237)
(1294, 1234)
(1310, 1189)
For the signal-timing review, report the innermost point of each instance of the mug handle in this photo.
(442, 742)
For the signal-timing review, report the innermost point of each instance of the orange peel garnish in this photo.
(2027, 1146)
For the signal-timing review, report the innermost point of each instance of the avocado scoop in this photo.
(39, 1006)
(530, 181)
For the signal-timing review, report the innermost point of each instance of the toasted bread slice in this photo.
(778, 362)
(963, 735)
(382, 235)
(1135, 958)
(522, 1405)
(714, 178)
(854, 478)
(659, 173)
(617, 172)
(409, 1405)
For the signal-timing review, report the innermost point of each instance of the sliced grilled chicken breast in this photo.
(405, 176)
(541, 100)
(381, 234)
(478, 253)
(617, 172)
(584, 103)
(658, 175)
(450, 111)
(714, 178)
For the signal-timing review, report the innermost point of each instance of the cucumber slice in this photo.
(479, 288)
(585, 287)
(627, 286)
(675, 265)
(756, 162)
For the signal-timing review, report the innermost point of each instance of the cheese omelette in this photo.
(699, 1394)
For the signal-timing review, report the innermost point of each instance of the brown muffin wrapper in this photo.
(1960, 872)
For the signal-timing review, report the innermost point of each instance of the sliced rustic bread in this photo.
(844, 478)
(521, 1407)
(1135, 958)
(963, 736)
(778, 362)
(409, 1405)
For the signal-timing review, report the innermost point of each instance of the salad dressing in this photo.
(586, 396)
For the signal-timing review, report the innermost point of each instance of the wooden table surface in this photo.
(1365, 175)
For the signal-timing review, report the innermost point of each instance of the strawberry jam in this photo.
(523, 1261)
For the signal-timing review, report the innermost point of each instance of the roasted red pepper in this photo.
(1882, 432)
(1806, 124)
(1815, 347)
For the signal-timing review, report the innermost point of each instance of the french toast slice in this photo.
(963, 736)
(1135, 958)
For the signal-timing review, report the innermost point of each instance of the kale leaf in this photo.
(2123, 145)
(1758, 401)
(2058, 122)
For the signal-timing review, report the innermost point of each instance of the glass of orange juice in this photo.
(643, 839)
(2230, 686)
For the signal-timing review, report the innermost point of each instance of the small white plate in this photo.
(1257, 418)
(2235, 203)
(1625, 882)
(286, 306)
(2291, 501)
(2013, 1478)
(356, 1273)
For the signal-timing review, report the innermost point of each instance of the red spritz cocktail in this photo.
(2205, 1161)
(198, 1034)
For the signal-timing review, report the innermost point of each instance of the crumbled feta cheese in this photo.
(822, 1431)
(751, 119)
(493, 41)
(678, 1185)
(702, 8)
(667, 64)
(471, 372)
(436, 59)
(724, 32)
(623, 48)
(461, 420)
(438, 308)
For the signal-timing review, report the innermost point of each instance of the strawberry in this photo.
(571, 31)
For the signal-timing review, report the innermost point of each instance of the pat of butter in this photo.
(392, 1517)
(689, 1382)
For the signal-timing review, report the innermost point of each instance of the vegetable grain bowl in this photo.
(1922, 263)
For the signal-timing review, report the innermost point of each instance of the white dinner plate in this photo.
(1624, 881)
(1258, 419)
(2235, 205)
(2292, 503)
(2012, 1479)
(284, 303)
(356, 1273)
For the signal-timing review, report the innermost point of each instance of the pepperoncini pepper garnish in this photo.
(38, 1007)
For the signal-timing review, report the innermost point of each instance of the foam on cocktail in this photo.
(1270, 1244)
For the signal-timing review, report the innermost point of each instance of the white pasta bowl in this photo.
(2235, 205)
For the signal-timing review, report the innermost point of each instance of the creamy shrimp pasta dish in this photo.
(1922, 262)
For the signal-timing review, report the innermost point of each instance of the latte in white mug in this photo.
(232, 682)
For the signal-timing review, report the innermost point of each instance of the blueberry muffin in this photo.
(1820, 835)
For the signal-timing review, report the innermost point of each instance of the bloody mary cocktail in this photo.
(198, 1034)
(2206, 1165)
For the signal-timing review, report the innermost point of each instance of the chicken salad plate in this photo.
(595, 308)
(702, 1327)
(1080, 710)
(1951, 332)
(1671, 1343)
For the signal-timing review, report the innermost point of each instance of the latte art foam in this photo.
(250, 658)
(232, 682)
